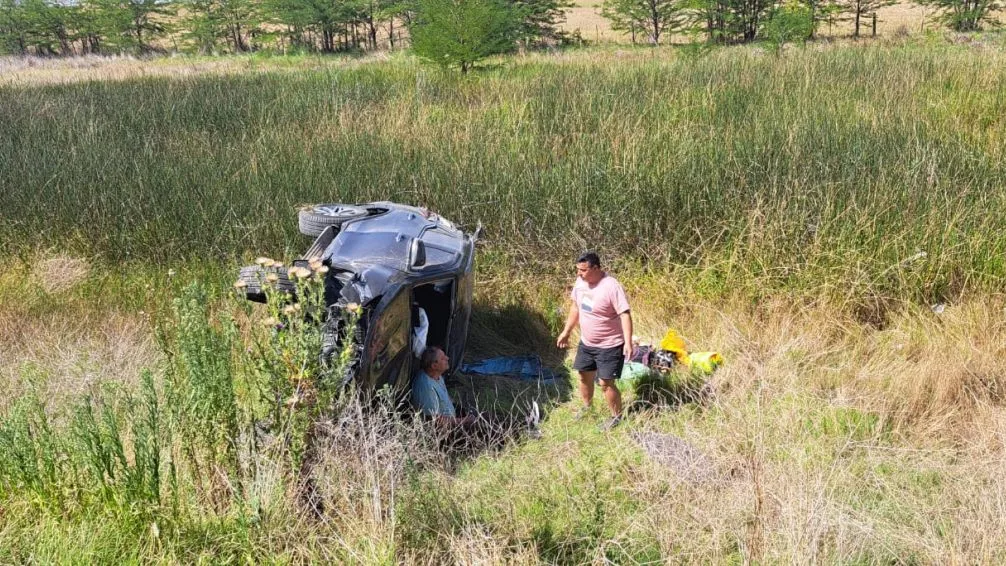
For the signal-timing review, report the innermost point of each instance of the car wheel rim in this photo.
(334, 210)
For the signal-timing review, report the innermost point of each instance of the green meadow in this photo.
(829, 218)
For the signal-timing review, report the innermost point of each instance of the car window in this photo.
(369, 246)
(441, 247)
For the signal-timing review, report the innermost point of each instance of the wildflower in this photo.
(265, 261)
(291, 309)
(353, 308)
(315, 263)
(300, 272)
(322, 270)
(270, 322)
(272, 278)
(239, 284)
(171, 273)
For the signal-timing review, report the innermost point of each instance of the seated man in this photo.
(429, 393)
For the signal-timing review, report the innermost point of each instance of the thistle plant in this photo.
(295, 385)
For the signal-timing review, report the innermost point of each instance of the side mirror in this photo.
(417, 254)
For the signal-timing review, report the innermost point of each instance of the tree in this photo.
(462, 32)
(964, 15)
(90, 28)
(210, 21)
(41, 27)
(392, 12)
(829, 12)
(655, 17)
(731, 21)
(131, 25)
(13, 28)
(857, 9)
(790, 22)
(372, 12)
(538, 20)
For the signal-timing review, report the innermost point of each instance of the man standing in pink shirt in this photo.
(602, 311)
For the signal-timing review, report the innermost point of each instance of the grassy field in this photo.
(829, 218)
(826, 170)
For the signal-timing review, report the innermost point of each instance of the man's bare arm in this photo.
(571, 321)
(626, 318)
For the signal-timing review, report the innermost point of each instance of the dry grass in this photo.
(59, 344)
(65, 355)
(60, 273)
(827, 439)
(21, 71)
(836, 441)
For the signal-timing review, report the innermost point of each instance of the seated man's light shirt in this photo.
(430, 396)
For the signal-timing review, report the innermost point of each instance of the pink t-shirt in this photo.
(600, 307)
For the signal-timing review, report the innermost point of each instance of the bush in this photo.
(790, 23)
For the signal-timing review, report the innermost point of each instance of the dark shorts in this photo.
(607, 362)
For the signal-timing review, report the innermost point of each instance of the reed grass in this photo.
(825, 168)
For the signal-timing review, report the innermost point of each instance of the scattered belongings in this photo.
(520, 367)
(670, 353)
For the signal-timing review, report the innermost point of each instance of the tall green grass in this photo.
(820, 168)
(225, 422)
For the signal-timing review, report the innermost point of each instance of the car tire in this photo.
(313, 220)
(253, 277)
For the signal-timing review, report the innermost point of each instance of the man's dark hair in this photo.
(429, 357)
(590, 258)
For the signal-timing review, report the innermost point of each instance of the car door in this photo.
(389, 351)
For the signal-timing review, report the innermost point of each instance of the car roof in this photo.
(385, 239)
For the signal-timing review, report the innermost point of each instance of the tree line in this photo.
(740, 21)
(75, 27)
(450, 32)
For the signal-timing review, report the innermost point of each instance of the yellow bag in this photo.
(707, 362)
(673, 343)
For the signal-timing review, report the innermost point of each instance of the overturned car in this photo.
(406, 268)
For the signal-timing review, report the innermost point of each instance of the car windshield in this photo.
(370, 247)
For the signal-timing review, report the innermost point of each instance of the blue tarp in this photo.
(520, 367)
